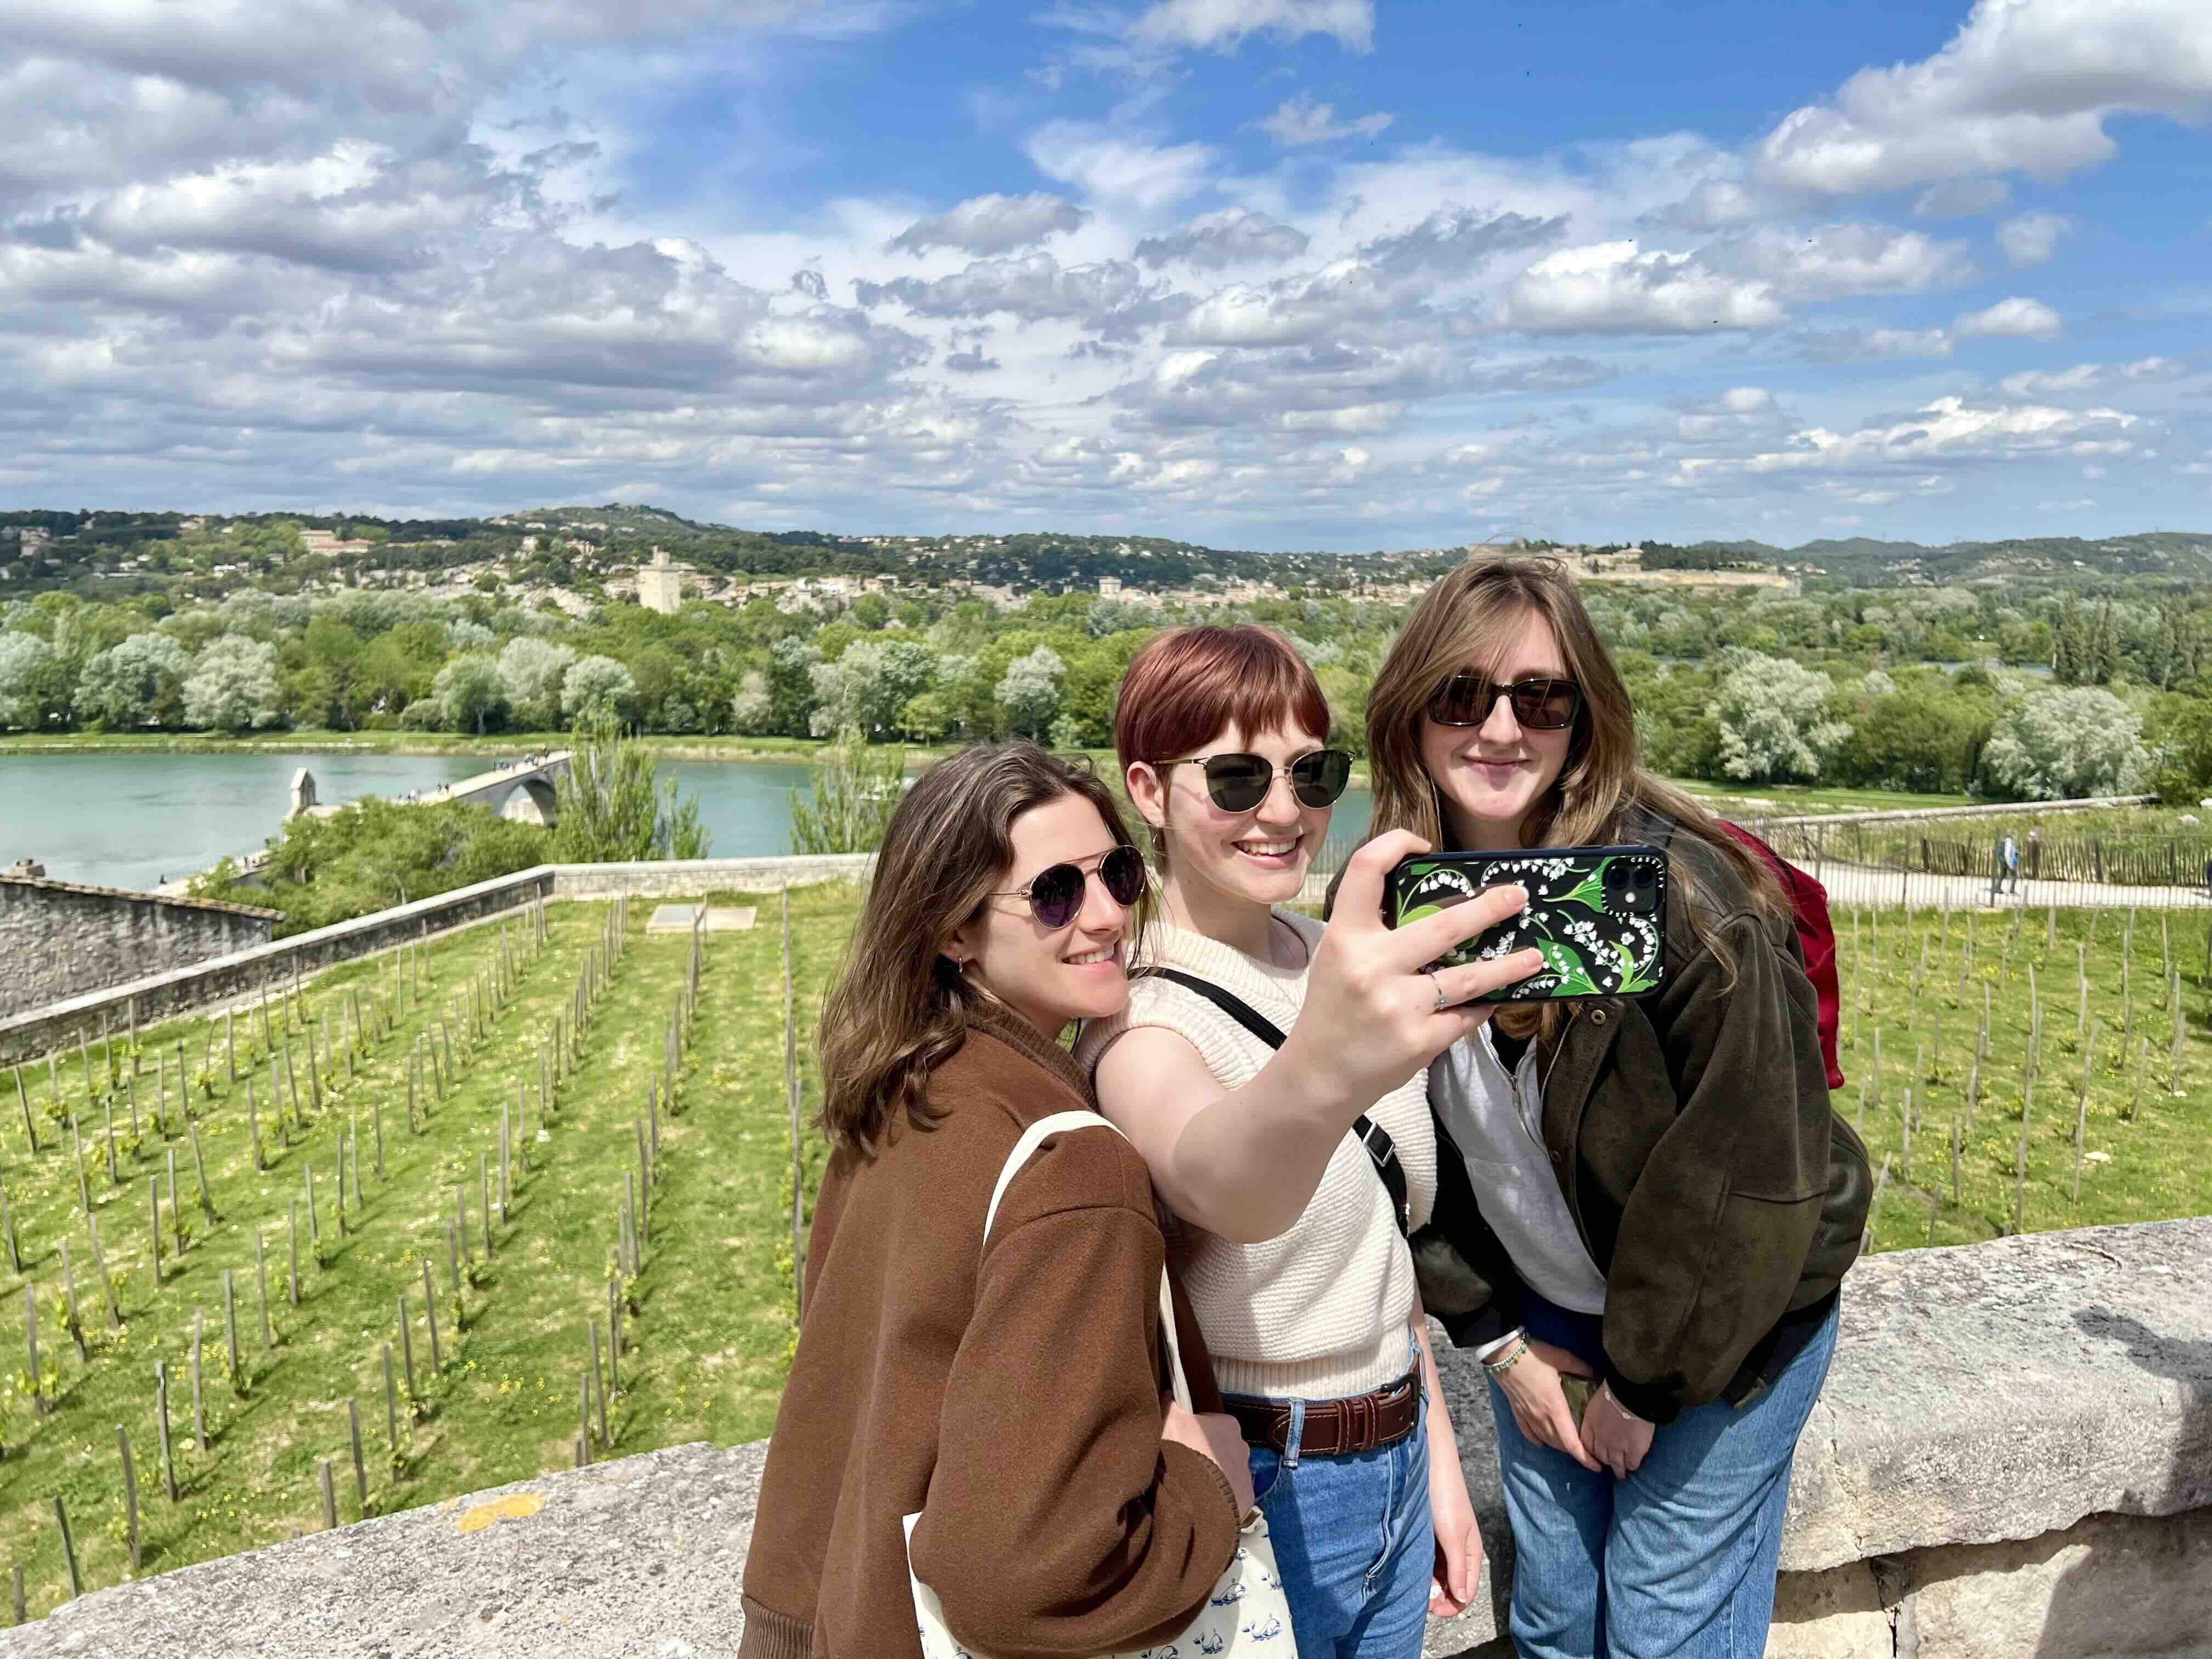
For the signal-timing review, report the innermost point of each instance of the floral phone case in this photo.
(1596, 912)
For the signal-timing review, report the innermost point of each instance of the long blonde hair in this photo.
(1470, 619)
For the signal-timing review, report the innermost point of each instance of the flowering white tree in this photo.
(2069, 742)
(596, 684)
(1772, 713)
(24, 660)
(848, 693)
(137, 682)
(233, 685)
(469, 693)
(1030, 690)
(752, 709)
(533, 670)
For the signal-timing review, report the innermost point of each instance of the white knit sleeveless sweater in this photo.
(1321, 1311)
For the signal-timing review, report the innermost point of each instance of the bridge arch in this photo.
(532, 799)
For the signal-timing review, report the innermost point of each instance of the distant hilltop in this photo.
(604, 549)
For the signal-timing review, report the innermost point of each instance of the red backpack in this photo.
(1816, 935)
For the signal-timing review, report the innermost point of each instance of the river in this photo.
(119, 819)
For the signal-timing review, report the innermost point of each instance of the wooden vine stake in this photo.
(129, 1494)
(791, 1098)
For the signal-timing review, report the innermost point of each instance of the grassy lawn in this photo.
(2142, 1155)
(708, 1325)
(1789, 799)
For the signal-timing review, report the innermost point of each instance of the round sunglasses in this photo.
(1541, 704)
(1055, 893)
(1238, 783)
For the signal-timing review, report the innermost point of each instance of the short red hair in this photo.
(1191, 683)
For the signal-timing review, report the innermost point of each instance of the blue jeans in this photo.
(1354, 1543)
(1675, 1562)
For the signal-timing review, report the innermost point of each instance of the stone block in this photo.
(639, 1556)
(1837, 1614)
(2007, 1389)
(2113, 1585)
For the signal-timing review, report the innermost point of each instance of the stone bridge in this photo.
(523, 790)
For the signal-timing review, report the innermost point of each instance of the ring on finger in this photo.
(1443, 1002)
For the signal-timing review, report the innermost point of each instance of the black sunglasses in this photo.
(1239, 783)
(1540, 704)
(1055, 893)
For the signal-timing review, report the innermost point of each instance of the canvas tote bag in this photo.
(1247, 1614)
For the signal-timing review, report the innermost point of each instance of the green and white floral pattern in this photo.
(1592, 947)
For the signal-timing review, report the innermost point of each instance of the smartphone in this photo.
(1598, 914)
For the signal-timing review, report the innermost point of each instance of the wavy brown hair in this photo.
(1470, 619)
(899, 1008)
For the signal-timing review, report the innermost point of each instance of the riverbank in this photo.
(793, 751)
(1770, 800)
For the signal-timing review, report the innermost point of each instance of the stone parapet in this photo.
(65, 938)
(34, 1032)
(2013, 1457)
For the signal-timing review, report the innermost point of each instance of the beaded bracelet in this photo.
(1496, 1369)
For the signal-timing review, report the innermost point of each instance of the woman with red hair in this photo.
(1274, 1079)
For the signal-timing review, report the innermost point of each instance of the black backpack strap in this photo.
(1381, 1149)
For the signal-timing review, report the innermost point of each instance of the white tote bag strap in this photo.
(1024, 1149)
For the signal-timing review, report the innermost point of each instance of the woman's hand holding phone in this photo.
(1539, 1405)
(1372, 1016)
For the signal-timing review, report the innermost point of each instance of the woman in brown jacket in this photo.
(1010, 1392)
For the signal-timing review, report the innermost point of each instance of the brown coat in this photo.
(1012, 1396)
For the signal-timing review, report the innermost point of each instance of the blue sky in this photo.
(1267, 273)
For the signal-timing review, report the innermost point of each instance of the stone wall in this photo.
(30, 1030)
(60, 939)
(2012, 1460)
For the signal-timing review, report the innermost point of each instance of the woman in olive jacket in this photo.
(1645, 1206)
(1007, 1394)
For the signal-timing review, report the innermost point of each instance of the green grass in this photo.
(709, 1328)
(2143, 1161)
(1791, 800)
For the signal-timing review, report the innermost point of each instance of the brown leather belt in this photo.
(1334, 1428)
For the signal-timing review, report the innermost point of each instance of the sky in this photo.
(1274, 274)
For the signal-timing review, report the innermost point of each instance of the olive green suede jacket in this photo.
(1691, 1132)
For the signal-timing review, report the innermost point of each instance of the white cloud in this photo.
(1033, 287)
(2031, 238)
(1847, 345)
(1961, 199)
(1299, 120)
(1225, 25)
(2014, 319)
(1834, 260)
(1947, 429)
(1105, 165)
(1453, 240)
(992, 224)
(2024, 86)
(2091, 377)
(1232, 236)
(1612, 288)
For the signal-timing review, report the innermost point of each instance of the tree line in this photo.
(2006, 691)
